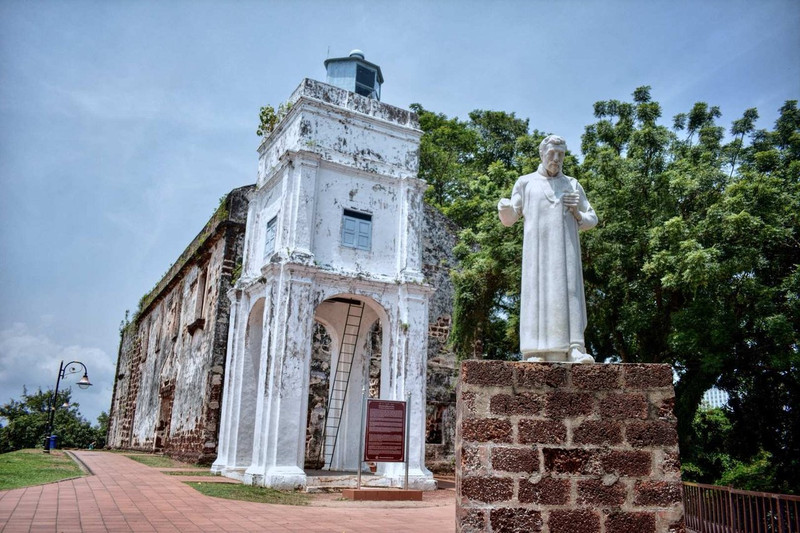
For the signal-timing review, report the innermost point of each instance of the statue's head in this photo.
(552, 150)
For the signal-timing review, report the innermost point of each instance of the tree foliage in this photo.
(717, 458)
(694, 262)
(469, 165)
(26, 425)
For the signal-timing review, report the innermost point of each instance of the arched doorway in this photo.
(345, 359)
(249, 384)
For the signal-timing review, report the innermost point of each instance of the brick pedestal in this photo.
(563, 448)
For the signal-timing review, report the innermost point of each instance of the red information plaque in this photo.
(385, 432)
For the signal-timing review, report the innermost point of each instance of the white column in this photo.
(409, 247)
(281, 426)
(302, 204)
(254, 475)
(409, 368)
(226, 451)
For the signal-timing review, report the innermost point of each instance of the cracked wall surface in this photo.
(171, 361)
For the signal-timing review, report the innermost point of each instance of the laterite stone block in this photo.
(486, 430)
(515, 459)
(487, 489)
(542, 432)
(548, 491)
(516, 519)
(516, 404)
(564, 404)
(578, 521)
(621, 522)
(486, 373)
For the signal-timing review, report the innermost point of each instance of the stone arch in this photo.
(251, 359)
(331, 316)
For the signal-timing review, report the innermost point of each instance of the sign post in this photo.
(361, 440)
(408, 422)
(385, 435)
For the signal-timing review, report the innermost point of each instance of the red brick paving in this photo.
(124, 495)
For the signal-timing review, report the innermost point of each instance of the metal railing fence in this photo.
(713, 509)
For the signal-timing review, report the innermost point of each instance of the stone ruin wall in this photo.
(439, 237)
(126, 385)
(562, 448)
(163, 369)
(173, 352)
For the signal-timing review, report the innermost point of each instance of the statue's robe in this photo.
(553, 306)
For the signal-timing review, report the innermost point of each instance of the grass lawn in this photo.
(159, 461)
(24, 468)
(249, 493)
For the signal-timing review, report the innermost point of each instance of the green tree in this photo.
(447, 150)
(740, 128)
(713, 458)
(27, 422)
(709, 459)
(101, 430)
(268, 118)
(697, 267)
(694, 262)
(498, 133)
(761, 217)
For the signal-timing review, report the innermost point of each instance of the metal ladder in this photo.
(340, 379)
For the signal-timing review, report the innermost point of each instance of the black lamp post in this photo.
(63, 371)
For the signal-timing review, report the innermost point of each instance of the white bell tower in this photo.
(333, 238)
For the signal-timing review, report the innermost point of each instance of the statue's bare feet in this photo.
(576, 355)
(535, 359)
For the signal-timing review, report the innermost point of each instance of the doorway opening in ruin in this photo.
(167, 396)
(251, 363)
(345, 359)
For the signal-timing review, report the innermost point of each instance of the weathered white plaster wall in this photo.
(333, 151)
(169, 373)
(344, 128)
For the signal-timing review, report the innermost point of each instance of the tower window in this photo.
(357, 230)
(269, 241)
(365, 81)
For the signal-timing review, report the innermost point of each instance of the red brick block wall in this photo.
(562, 448)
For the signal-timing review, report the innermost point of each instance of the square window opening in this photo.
(357, 230)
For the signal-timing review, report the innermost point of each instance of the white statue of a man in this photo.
(553, 307)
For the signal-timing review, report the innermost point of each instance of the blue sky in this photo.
(122, 123)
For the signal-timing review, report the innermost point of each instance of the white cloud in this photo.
(30, 359)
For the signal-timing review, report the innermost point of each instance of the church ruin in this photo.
(326, 278)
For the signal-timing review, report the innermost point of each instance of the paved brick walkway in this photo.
(124, 495)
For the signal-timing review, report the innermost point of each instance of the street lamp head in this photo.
(84, 382)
